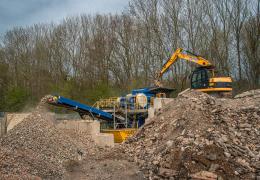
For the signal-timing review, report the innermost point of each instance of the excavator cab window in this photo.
(200, 79)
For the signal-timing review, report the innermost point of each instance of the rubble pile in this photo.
(200, 137)
(252, 94)
(35, 148)
(85, 140)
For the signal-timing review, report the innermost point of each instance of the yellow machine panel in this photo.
(120, 135)
(220, 79)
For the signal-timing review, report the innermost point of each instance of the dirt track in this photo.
(104, 168)
(100, 163)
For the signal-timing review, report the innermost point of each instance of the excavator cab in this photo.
(200, 78)
(203, 79)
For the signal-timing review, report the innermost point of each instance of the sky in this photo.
(27, 12)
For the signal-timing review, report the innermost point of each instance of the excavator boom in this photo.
(178, 54)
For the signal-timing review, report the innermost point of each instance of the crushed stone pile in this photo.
(35, 148)
(85, 140)
(197, 136)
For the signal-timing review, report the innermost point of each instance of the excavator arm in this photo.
(181, 54)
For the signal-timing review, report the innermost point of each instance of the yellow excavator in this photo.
(203, 77)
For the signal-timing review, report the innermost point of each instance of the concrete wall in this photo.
(104, 139)
(158, 104)
(88, 126)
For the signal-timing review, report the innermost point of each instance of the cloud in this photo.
(27, 12)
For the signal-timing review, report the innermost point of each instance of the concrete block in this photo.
(95, 127)
(151, 112)
(104, 139)
(89, 126)
(160, 102)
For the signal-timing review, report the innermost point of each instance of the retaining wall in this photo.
(90, 127)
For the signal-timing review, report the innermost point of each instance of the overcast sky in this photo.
(28, 12)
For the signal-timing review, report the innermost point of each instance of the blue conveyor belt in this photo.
(82, 109)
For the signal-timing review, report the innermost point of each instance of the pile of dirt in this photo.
(198, 136)
(35, 148)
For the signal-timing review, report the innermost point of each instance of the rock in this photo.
(211, 156)
(213, 167)
(166, 172)
(156, 162)
(227, 154)
(224, 138)
(204, 175)
(169, 143)
(243, 162)
(220, 178)
(214, 110)
(245, 125)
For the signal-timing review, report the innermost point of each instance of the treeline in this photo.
(92, 56)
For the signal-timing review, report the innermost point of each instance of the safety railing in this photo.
(107, 103)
